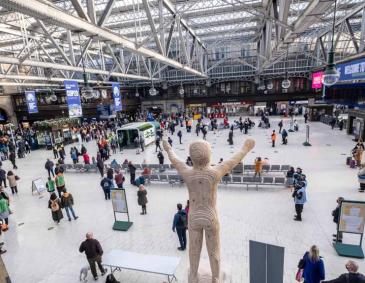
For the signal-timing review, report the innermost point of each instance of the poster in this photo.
(353, 70)
(317, 80)
(31, 102)
(117, 98)
(73, 99)
(352, 217)
(119, 201)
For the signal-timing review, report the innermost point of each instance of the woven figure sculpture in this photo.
(202, 180)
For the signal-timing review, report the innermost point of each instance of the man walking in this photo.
(49, 167)
(180, 224)
(273, 138)
(336, 219)
(179, 134)
(280, 126)
(107, 185)
(93, 251)
(67, 202)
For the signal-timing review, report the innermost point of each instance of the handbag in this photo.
(299, 275)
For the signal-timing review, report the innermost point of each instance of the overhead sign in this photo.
(317, 80)
(73, 99)
(31, 102)
(354, 70)
(352, 217)
(117, 98)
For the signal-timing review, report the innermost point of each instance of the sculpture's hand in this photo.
(164, 135)
(249, 144)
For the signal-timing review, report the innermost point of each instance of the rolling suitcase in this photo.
(348, 160)
(352, 163)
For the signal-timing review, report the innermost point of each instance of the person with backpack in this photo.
(60, 183)
(54, 204)
(12, 178)
(49, 167)
(353, 275)
(180, 225)
(67, 202)
(93, 252)
(142, 199)
(50, 185)
(107, 185)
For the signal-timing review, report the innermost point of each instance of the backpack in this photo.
(60, 181)
(54, 205)
(182, 222)
(111, 279)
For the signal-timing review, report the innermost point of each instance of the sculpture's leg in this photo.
(213, 246)
(195, 247)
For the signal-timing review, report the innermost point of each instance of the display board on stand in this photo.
(120, 206)
(38, 186)
(352, 221)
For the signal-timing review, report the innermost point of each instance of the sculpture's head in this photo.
(200, 153)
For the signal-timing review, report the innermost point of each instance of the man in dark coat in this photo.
(336, 218)
(49, 167)
(94, 252)
(353, 276)
(180, 224)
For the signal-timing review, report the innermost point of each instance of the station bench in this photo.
(163, 265)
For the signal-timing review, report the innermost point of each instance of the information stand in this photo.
(120, 205)
(38, 186)
(351, 221)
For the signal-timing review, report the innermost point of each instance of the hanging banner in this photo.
(31, 102)
(117, 98)
(73, 99)
(353, 70)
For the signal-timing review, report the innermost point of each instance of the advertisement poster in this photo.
(317, 80)
(353, 70)
(119, 201)
(117, 97)
(352, 217)
(73, 99)
(31, 102)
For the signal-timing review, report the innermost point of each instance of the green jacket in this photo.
(50, 186)
(3, 205)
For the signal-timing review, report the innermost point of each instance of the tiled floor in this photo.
(37, 254)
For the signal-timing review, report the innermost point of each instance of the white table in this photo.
(164, 265)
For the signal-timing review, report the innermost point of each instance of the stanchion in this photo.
(306, 143)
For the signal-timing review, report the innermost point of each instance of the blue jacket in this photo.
(175, 223)
(301, 196)
(313, 271)
(107, 184)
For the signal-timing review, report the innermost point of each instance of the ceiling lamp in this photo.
(270, 86)
(181, 91)
(97, 94)
(331, 75)
(152, 91)
(285, 84)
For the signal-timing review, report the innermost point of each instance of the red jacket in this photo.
(86, 158)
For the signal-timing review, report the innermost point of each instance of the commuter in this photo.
(100, 164)
(49, 167)
(353, 276)
(119, 178)
(67, 202)
(313, 266)
(12, 159)
(94, 252)
(230, 137)
(157, 143)
(12, 178)
(142, 142)
(296, 126)
(300, 198)
(86, 158)
(3, 177)
(305, 117)
(137, 144)
(280, 126)
(336, 218)
(258, 167)
(107, 185)
(284, 136)
(189, 162)
(55, 151)
(290, 177)
(54, 204)
(3, 227)
(333, 123)
(132, 171)
(4, 208)
(50, 185)
(161, 158)
(60, 183)
(180, 225)
(273, 138)
(358, 155)
(179, 134)
(142, 198)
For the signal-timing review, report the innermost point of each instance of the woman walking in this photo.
(54, 204)
(4, 210)
(12, 178)
(142, 199)
(313, 266)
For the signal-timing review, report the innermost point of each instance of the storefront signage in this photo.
(117, 98)
(353, 70)
(317, 80)
(73, 99)
(31, 102)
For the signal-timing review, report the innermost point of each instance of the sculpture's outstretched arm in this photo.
(175, 160)
(226, 166)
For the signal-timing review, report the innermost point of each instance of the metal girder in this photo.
(182, 41)
(362, 31)
(323, 50)
(283, 16)
(54, 15)
(162, 25)
(351, 32)
(71, 47)
(50, 58)
(50, 37)
(152, 25)
(170, 7)
(91, 10)
(80, 11)
(16, 61)
(168, 42)
(114, 58)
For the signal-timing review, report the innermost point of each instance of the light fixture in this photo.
(152, 91)
(137, 93)
(269, 85)
(331, 75)
(86, 91)
(181, 91)
(97, 94)
(285, 84)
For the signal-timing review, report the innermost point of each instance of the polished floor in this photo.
(40, 251)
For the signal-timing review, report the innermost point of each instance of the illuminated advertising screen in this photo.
(317, 80)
